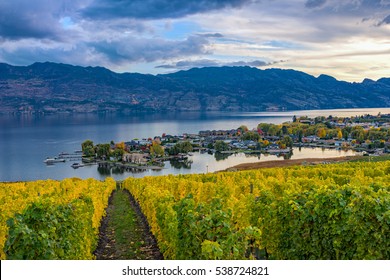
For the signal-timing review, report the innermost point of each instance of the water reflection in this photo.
(221, 156)
(103, 170)
(179, 164)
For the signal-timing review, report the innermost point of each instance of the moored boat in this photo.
(77, 165)
(53, 160)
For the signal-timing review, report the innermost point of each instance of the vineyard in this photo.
(339, 211)
(334, 211)
(52, 219)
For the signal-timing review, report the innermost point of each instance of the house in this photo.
(310, 139)
(137, 158)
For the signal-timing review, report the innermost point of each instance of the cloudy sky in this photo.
(348, 39)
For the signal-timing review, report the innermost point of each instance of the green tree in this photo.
(345, 132)
(221, 146)
(182, 147)
(156, 149)
(264, 127)
(250, 135)
(103, 150)
(284, 130)
(287, 141)
(88, 148)
(274, 130)
(299, 134)
(117, 154)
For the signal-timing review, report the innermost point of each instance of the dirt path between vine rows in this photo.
(124, 231)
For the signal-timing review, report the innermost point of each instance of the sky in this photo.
(347, 39)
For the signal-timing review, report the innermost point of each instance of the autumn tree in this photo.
(264, 127)
(120, 145)
(156, 149)
(321, 132)
(243, 129)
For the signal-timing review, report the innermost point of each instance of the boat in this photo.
(77, 165)
(53, 160)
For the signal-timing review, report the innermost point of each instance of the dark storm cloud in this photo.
(19, 19)
(314, 3)
(38, 19)
(150, 50)
(155, 9)
(187, 64)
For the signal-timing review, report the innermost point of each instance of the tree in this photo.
(243, 129)
(185, 147)
(117, 154)
(339, 134)
(264, 127)
(88, 148)
(284, 130)
(221, 146)
(299, 134)
(360, 136)
(321, 132)
(250, 135)
(287, 141)
(274, 130)
(120, 145)
(156, 149)
(345, 134)
(103, 150)
(182, 147)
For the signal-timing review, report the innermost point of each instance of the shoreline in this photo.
(290, 162)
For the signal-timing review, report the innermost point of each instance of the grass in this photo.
(372, 159)
(125, 227)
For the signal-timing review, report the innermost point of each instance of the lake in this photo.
(26, 140)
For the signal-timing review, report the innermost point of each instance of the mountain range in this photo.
(53, 88)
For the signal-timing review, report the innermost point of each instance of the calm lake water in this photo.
(25, 141)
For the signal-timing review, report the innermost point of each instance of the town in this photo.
(367, 134)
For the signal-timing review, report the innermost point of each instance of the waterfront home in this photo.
(137, 158)
(310, 139)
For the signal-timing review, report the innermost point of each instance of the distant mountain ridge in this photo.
(52, 88)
